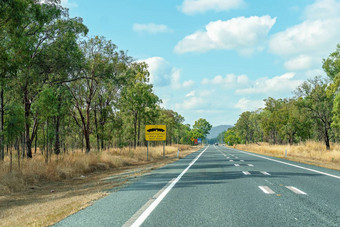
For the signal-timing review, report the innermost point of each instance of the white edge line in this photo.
(289, 164)
(266, 190)
(149, 210)
(296, 190)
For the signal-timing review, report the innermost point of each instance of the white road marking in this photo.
(242, 160)
(155, 203)
(236, 164)
(245, 172)
(289, 164)
(265, 173)
(295, 190)
(231, 160)
(250, 165)
(266, 190)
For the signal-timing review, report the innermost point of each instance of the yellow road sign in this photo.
(192, 139)
(155, 132)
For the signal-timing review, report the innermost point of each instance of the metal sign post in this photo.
(163, 148)
(147, 151)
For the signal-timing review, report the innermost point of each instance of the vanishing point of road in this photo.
(219, 186)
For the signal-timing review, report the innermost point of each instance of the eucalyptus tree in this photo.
(39, 45)
(203, 126)
(97, 84)
(319, 105)
(138, 97)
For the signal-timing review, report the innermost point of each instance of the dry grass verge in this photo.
(309, 152)
(41, 195)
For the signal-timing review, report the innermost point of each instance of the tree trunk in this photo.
(35, 143)
(135, 131)
(18, 152)
(87, 141)
(23, 145)
(2, 151)
(27, 105)
(57, 141)
(46, 157)
(96, 125)
(328, 147)
(138, 132)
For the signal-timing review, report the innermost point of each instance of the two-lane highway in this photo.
(218, 186)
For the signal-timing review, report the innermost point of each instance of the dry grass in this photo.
(309, 152)
(41, 195)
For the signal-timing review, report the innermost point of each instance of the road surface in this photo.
(219, 186)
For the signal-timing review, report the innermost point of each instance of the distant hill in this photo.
(217, 130)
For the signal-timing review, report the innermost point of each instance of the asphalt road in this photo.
(218, 186)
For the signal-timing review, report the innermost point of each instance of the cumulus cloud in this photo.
(322, 9)
(195, 100)
(249, 105)
(307, 43)
(270, 86)
(228, 81)
(191, 103)
(308, 37)
(160, 70)
(201, 6)
(301, 62)
(151, 28)
(190, 94)
(243, 34)
(162, 74)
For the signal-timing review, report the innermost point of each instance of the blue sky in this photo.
(218, 58)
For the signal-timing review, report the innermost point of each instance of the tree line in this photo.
(61, 90)
(312, 114)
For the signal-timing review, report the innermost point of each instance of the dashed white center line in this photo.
(250, 165)
(266, 190)
(296, 191)
(231, 160)
(242, 160)
(236, 164)
(245, 172)
(265, 173)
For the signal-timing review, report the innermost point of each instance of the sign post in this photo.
(155, 133)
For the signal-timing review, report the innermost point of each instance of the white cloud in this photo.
(228, 81)
(249, 105)
(270, 86)
(307, 38)
(151, 28)
(301, 62)
(160, 71)
(191, 104)
(322, 9)
(243, 34)
(305, 44)
(243, 79)
(188, 83)
(190, 94)
(201, 6)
